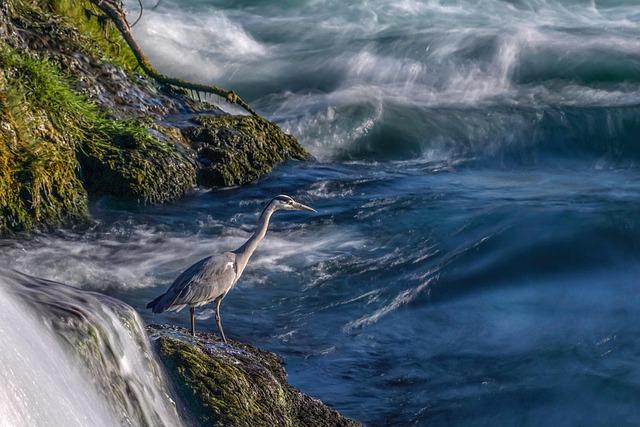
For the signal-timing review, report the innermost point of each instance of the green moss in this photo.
(222, 393)
(240, 149)
(87, 344)
(45, 126)
(37, 146)
(237, 385)
(73, 24)
(131, 163)
(89, 21)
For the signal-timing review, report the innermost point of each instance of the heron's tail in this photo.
(158, 305)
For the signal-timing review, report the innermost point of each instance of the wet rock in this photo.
(234, 150)
(144, 166)
(236, 384)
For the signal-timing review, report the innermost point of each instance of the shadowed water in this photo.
(415, 294)
(476, 254)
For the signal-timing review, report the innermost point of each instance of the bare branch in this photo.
(113, 9)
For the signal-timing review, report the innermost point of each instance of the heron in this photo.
(211, 278)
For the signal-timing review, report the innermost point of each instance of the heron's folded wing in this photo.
(206, 279)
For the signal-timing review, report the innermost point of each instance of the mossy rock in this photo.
(235, 150)
(38, 180)
(236, 384)
(77, 120)
(134, 164)
(55, 144)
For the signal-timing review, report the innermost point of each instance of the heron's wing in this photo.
(202, 282)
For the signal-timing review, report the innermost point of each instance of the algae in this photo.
(235, 150)
(236, 384)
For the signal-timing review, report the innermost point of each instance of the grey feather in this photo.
(200, 284)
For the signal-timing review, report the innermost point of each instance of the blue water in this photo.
(476, 252)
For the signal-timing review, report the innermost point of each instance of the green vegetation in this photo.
(74, 24)
(38, 180)
(76, 121)
(47, 127)
(88, 20)
(237, 385)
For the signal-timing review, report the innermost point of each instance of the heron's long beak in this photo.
(301, 207)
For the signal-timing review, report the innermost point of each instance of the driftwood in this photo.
(114, 11)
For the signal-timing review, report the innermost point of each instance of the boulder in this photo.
(235, 384)
(235, 150)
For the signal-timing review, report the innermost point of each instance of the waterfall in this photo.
(75, 358)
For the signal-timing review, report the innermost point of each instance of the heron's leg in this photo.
(192, 312)
(218, 319)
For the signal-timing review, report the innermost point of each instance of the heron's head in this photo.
(286, 203)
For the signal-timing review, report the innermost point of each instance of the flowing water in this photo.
(476, 255)
(75, 358)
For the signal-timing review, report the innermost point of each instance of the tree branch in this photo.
(114, 10)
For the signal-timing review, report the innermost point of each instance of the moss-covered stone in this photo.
(134, 164)
(46, 127)
(77, 120)
(38, 180)
(234, 150)
(236, 384)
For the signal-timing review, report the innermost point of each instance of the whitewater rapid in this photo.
(436, 79)
(41, 383)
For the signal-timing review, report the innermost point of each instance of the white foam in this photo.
(401, 299)
(204, 46)
(145, 257)
(41, 384)
(362, 60)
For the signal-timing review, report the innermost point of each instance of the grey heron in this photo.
(211, 278)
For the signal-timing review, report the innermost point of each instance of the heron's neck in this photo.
(245, 251)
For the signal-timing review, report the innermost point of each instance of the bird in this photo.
(211, 278)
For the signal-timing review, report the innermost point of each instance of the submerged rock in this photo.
(236, 384)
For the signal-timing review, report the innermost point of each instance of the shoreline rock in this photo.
(78, 121)
(235, 384)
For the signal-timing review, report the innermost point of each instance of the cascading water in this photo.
(41, 383)
(75, 358)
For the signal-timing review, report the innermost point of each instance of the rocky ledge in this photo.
(235, 384)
